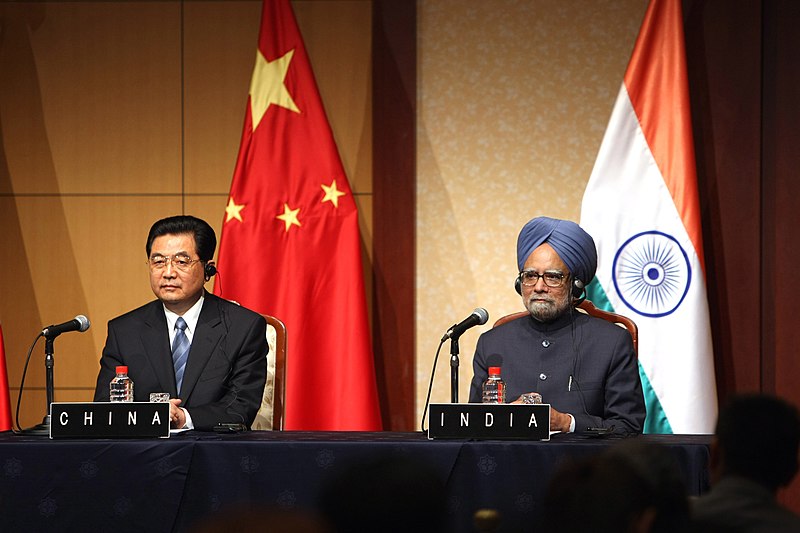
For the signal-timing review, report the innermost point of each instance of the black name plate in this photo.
(489, 421)
(104, 420)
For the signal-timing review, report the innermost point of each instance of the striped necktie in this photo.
(180, 351)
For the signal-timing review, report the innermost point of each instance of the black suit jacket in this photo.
(581, 365)
(226, 370)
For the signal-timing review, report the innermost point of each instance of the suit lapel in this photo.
(206, 337)
(155, 339)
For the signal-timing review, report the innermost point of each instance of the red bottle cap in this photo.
(122, 370)
(494, 370)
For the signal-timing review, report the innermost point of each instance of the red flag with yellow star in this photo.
(290, 244)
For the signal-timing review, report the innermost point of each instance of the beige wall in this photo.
(115, 114)
(514, 97)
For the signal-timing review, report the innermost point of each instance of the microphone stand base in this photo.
(39, 429)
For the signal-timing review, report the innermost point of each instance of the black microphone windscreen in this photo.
(494, 359)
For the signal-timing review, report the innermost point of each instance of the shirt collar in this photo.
(191, 316)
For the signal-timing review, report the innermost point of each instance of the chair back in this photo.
(589, 308)
(273, 403)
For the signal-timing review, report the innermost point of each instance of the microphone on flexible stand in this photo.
(79, 323)
(478, 317)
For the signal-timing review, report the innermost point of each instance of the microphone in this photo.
(478, 317)
(79, 323)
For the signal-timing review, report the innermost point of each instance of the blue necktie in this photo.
(180, 351)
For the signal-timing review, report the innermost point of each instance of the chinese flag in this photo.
(5, 402)
(290, 244)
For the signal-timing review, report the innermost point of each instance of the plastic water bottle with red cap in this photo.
(494, 388)
(121, 386)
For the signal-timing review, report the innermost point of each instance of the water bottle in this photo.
(494, 388)
(121, 386)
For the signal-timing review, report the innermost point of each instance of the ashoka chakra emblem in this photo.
(652, 273)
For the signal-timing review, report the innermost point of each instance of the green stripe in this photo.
(656, 420)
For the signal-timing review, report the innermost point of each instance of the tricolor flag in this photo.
(290, 244)
(5, 400)
(641, 206)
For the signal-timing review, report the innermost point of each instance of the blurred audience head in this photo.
(757, 437)
(634, 486)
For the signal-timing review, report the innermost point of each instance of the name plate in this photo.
(489, 421)
(104, 420)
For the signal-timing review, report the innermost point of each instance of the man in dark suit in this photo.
(209, 354)
(584, 367)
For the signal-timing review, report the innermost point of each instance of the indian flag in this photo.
(641, 207)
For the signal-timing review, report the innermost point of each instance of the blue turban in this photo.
(572, 244)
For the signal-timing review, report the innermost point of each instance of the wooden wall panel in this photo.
(394, 211)
(88, 79)
(219, 54)
(58, 293)
(210, 208)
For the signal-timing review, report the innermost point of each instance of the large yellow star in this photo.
(332, 194)
(267, 87)
(289, 216)
(233, 211)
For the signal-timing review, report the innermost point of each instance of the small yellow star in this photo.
(267, 86)
(332, 194)
(289, 216)
(233, 211)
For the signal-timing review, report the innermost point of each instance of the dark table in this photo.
(170, 484)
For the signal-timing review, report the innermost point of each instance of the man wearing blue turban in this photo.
(584, 367)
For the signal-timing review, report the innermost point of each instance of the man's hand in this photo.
(558, 421)
(177, 418)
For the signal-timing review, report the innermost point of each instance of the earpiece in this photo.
(209, 270)
(577, 288)
(518, 285)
